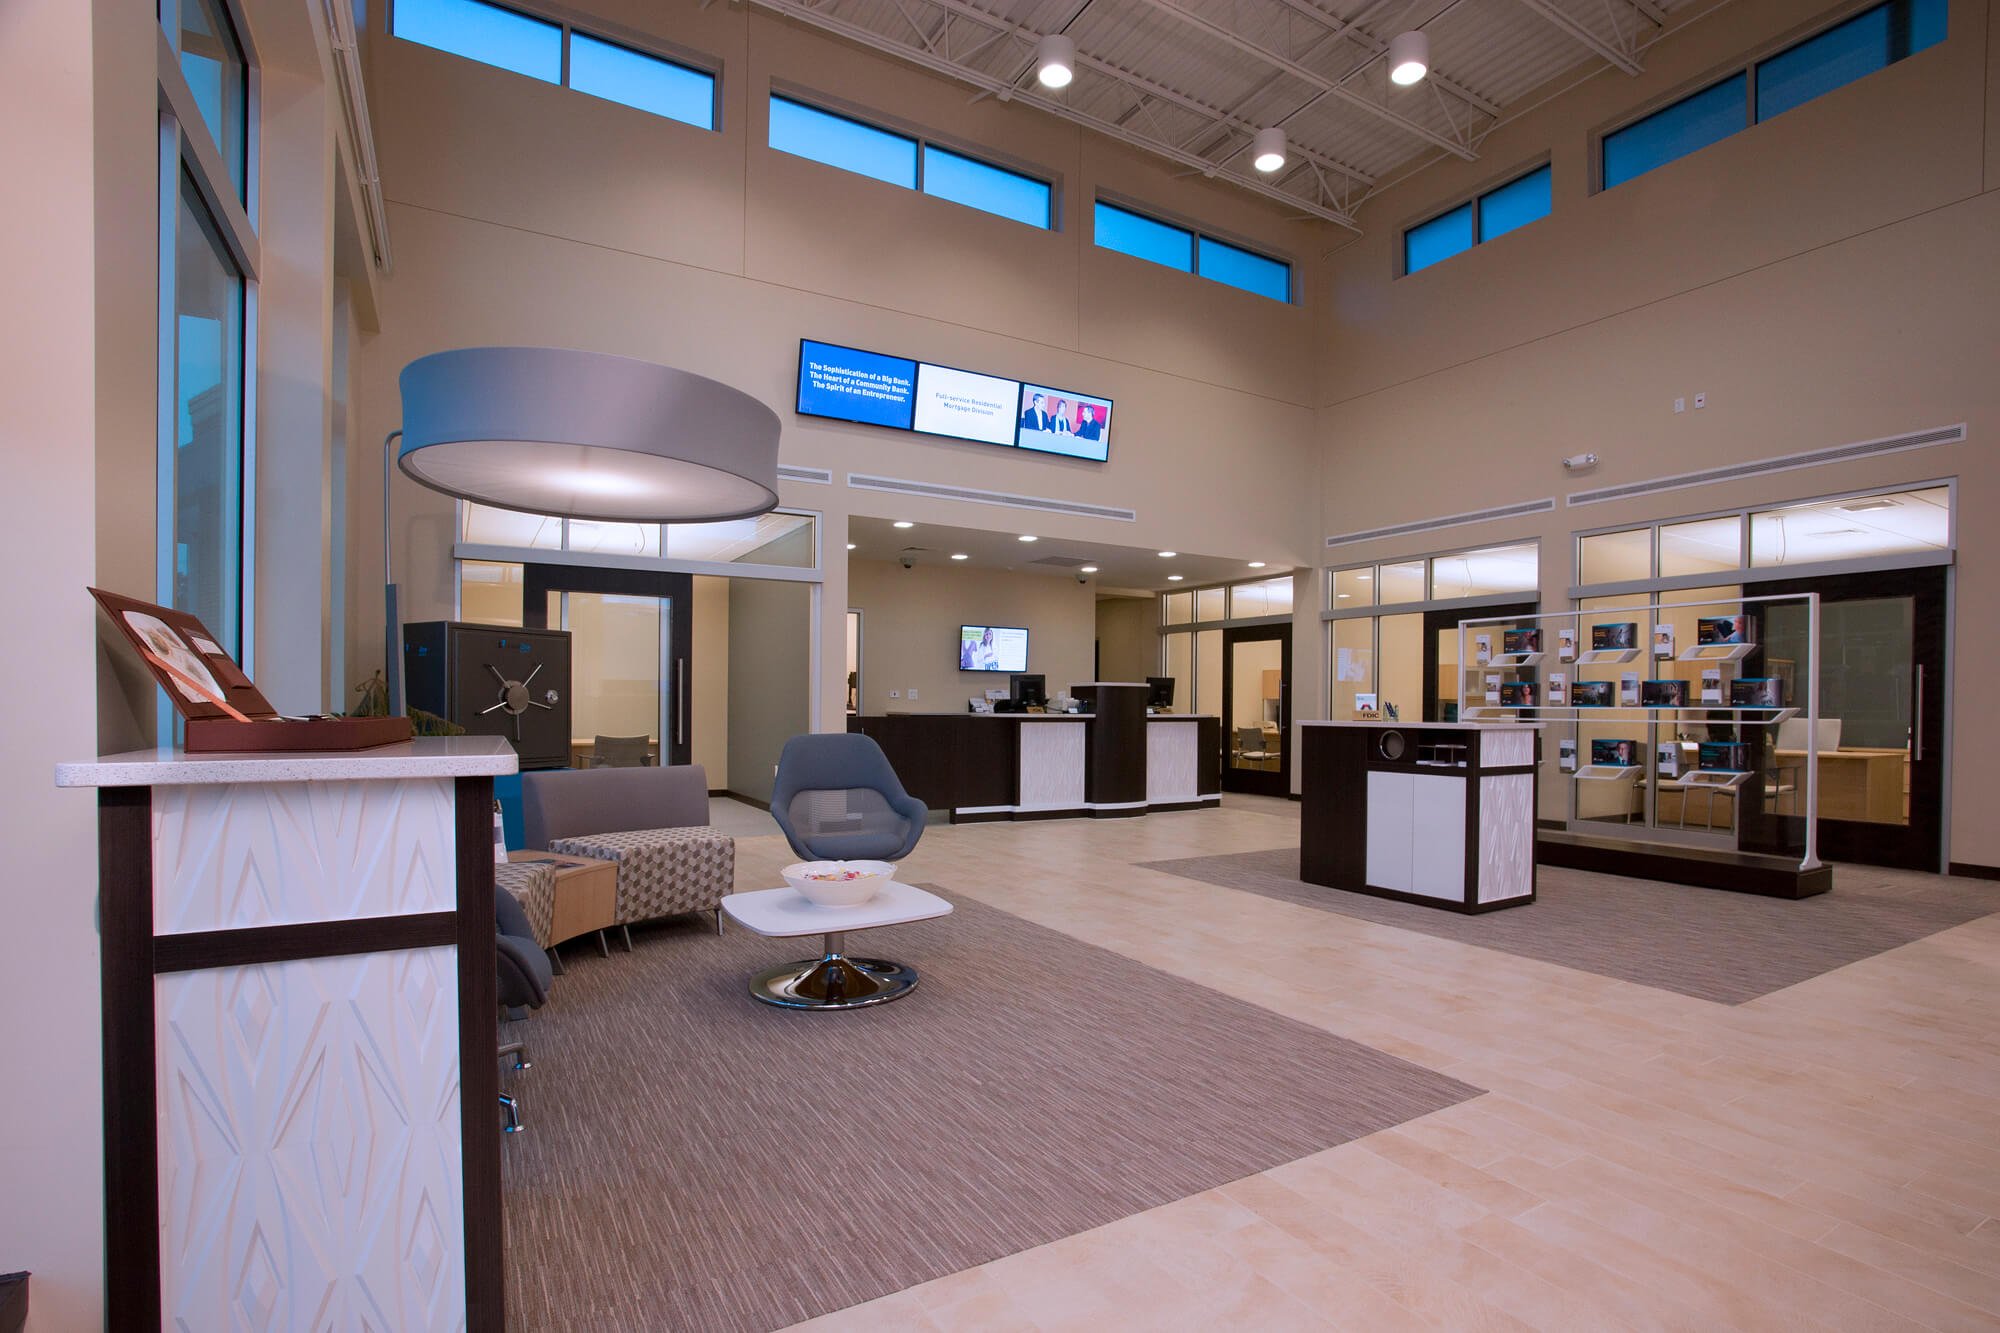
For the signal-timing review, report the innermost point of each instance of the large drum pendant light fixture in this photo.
(552, 430)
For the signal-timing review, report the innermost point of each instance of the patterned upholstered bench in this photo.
(662, 871)
(534, 887)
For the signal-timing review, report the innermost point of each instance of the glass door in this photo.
(1256, 710)
(629, 645)
(1880, 742)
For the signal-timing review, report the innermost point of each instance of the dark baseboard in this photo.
(1556, 824)
(1736, 872)
(1972, 870)
(718, 791)
(1295, 796)
(765, 806)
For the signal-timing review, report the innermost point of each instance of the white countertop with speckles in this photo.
(424, 757)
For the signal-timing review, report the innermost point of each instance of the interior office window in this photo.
(484, 525)
(1859, 527)
(976, 184)
(211, 60)
(1222, 262)
(1208, 604)
(1486, 571)
(483, 32)
(1515, 204)
(1671, 133)
(1616, 557)
(806, 131)
(633, 78)
(1402, 582)
(207, 365)
(1353, 588)
(1141, 237)
(1177, 608)
(1265, 597)
(490, 593)
(1440, 238)
(1701, 546)
(1872, 40)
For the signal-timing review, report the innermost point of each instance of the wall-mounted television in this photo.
(992, 648)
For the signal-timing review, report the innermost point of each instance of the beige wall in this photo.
(909, 630)
(708, 720)
(1824, 278)
(527, 213)
(769, 654)
(1128, 638)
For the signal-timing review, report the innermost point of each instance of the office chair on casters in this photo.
(837, 799)
(524, 983)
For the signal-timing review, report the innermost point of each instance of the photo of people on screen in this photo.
(977, 654)
(1058, 422)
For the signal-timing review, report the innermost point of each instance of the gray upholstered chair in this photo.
(621, 752)
(838, 799)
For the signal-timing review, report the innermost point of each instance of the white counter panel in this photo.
(1173, 762)
(1437, 837)
(1391, 820)
(1052, 766)
(1506, 837)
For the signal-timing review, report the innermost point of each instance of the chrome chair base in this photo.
(833, 981)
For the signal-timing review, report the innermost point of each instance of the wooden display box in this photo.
(586, 898)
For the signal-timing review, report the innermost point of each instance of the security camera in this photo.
(1082, 577)
(906, 560)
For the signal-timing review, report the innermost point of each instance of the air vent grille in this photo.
(1062, 561)
(1842, 453)
(818, 476)
(1448, 521)
(931, 490)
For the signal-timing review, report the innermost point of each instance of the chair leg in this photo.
(603, 945)
(519, 1050)
(555, 961)
(510, 1109)
(628, 938)
(718, 919)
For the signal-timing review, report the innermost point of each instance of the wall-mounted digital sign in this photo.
(848, 384)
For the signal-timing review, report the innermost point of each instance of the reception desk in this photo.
(1441, 814)
(1116, 761)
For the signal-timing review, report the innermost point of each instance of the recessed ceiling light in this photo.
(1867, 506)
(1343, 596)
(1256, 564)
(850, 546)
(1173, 578)
(960, 555)
(1168, 555)
(1088, 569)
(1409, 58)
(1364, 577)
(904, 523)
(1028, 537)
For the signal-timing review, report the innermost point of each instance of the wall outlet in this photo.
(895, 694)
(1680, 404)
(1701, 400)
(913, 692)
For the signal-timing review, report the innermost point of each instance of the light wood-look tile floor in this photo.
(1827, 1156)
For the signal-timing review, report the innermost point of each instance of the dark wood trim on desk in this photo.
(478, 1061)
(131, 1078)
(200, 949)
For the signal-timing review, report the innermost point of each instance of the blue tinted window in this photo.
(964, 181)
(1440, 238)
(1514, 204)
(1240, 268)
(620, 74)
(1143, 238)
(839, 142)
(1673, 132)
(1846, 52)
(483, 32)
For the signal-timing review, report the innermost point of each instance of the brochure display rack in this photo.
(1668, 755)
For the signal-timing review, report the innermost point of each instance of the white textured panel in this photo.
(1391, 813)
(1505, 747)
(1437, 837)
(275, 853)
(1172, 773)
(309, 1145)
(1506, 837)
(1051, 766)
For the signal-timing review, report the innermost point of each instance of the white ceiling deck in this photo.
(1193, 80)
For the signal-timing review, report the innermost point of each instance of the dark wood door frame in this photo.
(538, 581)
(1262, 783)
(1919, 845)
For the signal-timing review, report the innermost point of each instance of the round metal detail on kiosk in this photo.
(1391, 745)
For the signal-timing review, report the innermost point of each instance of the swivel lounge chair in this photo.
(837, 799)
(524, 982)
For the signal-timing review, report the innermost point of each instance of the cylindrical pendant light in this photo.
(1267, 150)
(1409, 57)
(1055, 61)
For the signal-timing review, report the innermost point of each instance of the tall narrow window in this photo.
(211, 61)
(1671, 133)
(207, 506)
(483, 32)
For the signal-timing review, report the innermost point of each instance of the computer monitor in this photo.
(1027, 690)
(1160, 692)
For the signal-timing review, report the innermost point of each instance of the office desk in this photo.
(1865, 785)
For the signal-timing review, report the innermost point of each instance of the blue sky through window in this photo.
(1240, 268)
(806, 131)
(1142, 238)
(1671, 133)
(1440, 238)
(486, 33)
(1515, 204)
(949, 175)
(620, 74)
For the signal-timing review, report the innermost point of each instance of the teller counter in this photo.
(1114, 762)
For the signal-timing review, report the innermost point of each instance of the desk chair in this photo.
(1250, 745)
(621, 752)
(524, 982)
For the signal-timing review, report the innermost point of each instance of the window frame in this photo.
(1197, 232)
(613, 34)
(1746, 65)
(1476, 197)
(921, 137)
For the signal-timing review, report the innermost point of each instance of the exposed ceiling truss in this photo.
(1192, 81)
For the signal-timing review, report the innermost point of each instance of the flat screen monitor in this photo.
(848, 384)
(1160, 692)
(964, 405)
(992, 648)
(1060, 421)
(1027, 690)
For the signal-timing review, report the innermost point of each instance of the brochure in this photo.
(1558, 689)
(1724, 757)
(1617, 754)
(1721, 629)
(1628, 689)
(1604, 638)
(1711, 685)
(1664, 693)
(1517, 694)
(1493, 687)
(1517, 641)
(1668, 757)
(1757, 692)
(1482, 649)
(1590, 694)
(1566, 644)
(1663, 640)
(1566, 754)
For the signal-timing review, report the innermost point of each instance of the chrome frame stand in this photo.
(833, 980)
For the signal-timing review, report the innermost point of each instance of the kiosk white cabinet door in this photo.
(1391, 816)
(1437, 852)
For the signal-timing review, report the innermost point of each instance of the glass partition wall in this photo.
(1227, 649)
